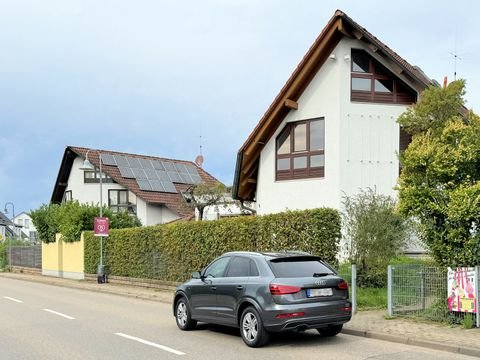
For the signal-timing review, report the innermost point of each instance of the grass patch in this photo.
(371, 298)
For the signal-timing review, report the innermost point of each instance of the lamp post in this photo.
(9, 238)
(87, 166)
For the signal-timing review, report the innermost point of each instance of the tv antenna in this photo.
(455, 57)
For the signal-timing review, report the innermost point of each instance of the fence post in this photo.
(389, 290)
(354, 289)
(422, 287)
(477, 292)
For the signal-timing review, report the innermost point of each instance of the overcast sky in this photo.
(151, 77)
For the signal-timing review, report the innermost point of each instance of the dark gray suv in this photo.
(265, 292)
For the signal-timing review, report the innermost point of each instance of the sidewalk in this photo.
(370, 324)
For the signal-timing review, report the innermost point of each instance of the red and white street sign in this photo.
(101, 226)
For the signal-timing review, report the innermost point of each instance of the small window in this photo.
(20, 222)
(217, 268)
(239, 267)
(94, 177)
(67, 196)
(27, 223)
(118, 200)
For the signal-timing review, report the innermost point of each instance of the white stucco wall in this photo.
(361, 143)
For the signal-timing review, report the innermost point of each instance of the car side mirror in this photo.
(196, 275)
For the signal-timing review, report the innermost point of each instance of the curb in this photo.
(458, 349)
(103, 288)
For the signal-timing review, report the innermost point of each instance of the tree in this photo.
(440, 180)
(71, 218)
(200, 196)
(375, 232)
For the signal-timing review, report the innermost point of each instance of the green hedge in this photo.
(172, 252)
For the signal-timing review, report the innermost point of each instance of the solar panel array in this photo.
(153, 175)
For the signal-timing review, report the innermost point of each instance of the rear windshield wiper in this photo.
(322, 274)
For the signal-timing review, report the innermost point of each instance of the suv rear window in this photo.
(291, 267)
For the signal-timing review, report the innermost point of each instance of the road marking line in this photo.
(13, 299)
(158, 346)
(59, 314)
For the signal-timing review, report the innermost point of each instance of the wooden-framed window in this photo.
(93, 176)
(118, 200)
(373, 82)
(300, 150)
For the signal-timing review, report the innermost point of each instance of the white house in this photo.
(332, 129)
(147, 186)
(25, 226)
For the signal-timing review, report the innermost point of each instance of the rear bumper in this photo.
(315, 317)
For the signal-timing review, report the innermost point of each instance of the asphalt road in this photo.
(39, 321)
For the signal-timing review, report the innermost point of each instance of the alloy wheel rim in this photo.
(182, 314)
(250, 326)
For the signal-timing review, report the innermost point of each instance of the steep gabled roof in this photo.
(173, 201)
(339, 26)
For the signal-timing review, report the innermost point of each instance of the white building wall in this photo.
(87, 192)
(370, 135)
(320, 99)
(361, 143)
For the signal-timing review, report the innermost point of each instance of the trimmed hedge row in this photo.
(172, 252)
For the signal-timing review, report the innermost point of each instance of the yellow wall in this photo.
(63, 259)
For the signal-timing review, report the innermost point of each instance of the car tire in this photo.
(251, 328)
(330, 331)
(183, 315)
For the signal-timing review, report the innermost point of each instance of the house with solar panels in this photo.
(147, 186)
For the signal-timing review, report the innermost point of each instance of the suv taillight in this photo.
(276, 289)
(343, 285)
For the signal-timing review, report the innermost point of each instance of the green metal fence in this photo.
(423, 292)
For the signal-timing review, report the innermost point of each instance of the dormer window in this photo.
(372, 82)
(300, 150)
(94, 177)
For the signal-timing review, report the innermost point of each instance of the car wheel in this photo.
(331, 330)
(183, 315)
(251, 328)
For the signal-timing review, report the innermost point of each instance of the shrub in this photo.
(171, 252)
(71, 218)
(375, 233)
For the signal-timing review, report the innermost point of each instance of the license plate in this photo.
(319, 292)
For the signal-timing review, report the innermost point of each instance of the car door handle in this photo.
(239, 287)
(213, 288)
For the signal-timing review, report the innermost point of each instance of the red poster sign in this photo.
(101, 226)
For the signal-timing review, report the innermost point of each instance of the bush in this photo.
(375, 233)
(171, 252)
(3, 255)
(71, 218)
